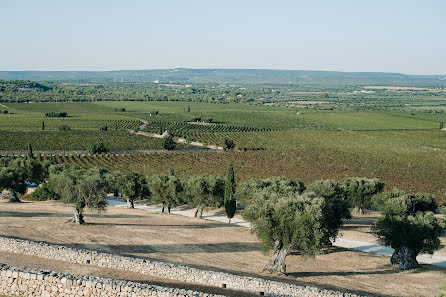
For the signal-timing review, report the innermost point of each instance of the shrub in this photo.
(169, 143)
(44, 192)
(228, 145)
(97, 148)
(64, 128)
(56, 114)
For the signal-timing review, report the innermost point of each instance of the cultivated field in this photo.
(218, 246)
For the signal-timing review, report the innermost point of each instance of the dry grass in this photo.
(204, 244)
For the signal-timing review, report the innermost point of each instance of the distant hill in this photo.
(244, 76)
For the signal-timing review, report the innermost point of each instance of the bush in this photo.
(42, 193)
(228, 145)
(169, 143)
(98, 148)
(64, 128)
(121, 109)
(56, 114)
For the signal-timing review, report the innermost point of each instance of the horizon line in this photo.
(269, 69)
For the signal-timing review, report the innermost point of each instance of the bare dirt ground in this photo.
(205, 244)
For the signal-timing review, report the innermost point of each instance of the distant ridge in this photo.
(245, 76)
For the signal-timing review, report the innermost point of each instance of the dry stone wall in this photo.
(164, 270)
(16, 281)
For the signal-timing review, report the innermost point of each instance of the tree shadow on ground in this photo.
(199, 248)
(185, 226)
(63, 215)
(121, 250)
(341, 273)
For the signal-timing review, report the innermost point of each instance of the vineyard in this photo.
(78, 140)
(405, 150)
(422, 173)
(20, 122)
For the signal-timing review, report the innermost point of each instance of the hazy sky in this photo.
(345, 35)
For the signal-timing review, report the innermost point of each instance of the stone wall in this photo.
(16, 281)
(164, 270)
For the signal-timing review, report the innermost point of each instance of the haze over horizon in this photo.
(350, 36)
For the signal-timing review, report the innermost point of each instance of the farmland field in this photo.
(405, 150)
(77, 140)
(369, 121)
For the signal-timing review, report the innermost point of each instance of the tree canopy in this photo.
(167, 190)
(82, 188)
(408, 225)
(360, 191)
(204, 191)
(279, 185)
(285, 219)
(16, 172)
(133, 186)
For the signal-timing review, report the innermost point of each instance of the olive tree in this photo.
(204, 191)
(82, 188)
(336, 209)
(133, 186)
(280, 185)
(15, 173)
(360, 191)
(285, 219)
(167, 190)
(408, 225)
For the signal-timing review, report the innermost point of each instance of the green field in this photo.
(78, 140)
(405, 149)
(370, 120)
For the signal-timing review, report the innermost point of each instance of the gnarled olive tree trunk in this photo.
(277, 262)
(130, 203)
(78, 217)
(199, 210)
(14, 197)
(404, 258)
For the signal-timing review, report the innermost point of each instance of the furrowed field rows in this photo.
(78, 140)
(423, 173)
(11, 122)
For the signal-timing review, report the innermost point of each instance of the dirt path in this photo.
(345, 241)
(178, 140)
(2, 105)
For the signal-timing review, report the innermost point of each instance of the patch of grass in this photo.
(368, 120)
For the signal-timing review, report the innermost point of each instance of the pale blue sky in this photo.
(345, 35)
